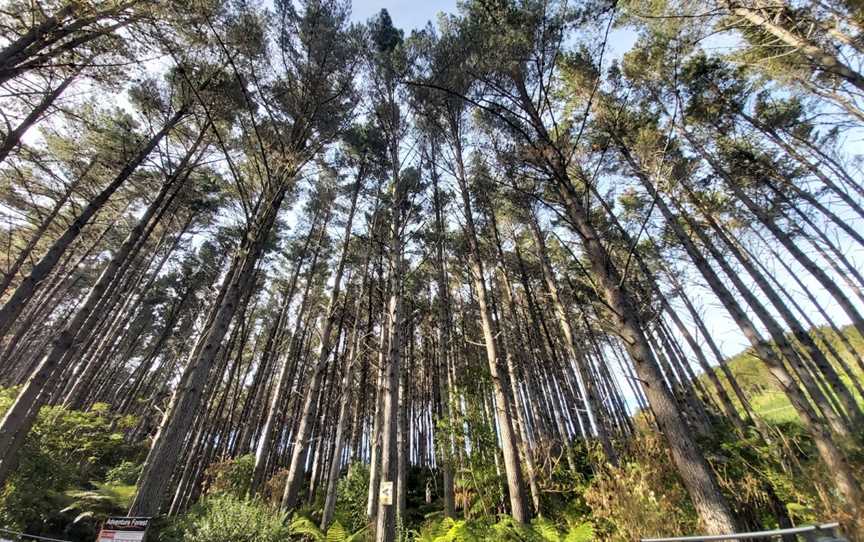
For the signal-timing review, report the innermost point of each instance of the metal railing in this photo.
(23, 537)
(808, 532)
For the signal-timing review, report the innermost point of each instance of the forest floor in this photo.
(78, 469)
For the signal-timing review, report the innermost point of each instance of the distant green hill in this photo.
(763, 392)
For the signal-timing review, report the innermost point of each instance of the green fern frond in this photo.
(336, 533)
(583, 532)
(546, 530)
(356, 537)
(301, 525)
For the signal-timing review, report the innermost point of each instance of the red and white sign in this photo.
(123, 530)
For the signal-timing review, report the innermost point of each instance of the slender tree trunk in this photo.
(11, 140)
(819, 56)
(785, 240)
(133, 243)
(698, 478)
(265, 437)
(297, 466)
(592, 399)
(375, 436)
(523, 438)
(344, 405)
(442, 304)
(162, 459)
(830, 453)
(512, 465)
(385, 524)
(801, 335)
(17, 418)
(40, 271)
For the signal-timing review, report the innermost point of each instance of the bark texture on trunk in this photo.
(177, 421)
(40, 271)
(297, 466)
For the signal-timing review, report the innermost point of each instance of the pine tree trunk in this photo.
(375, 436)
(821, 58)
(830, 453)
(17, 418)
(442, 304)
(592, 399)
(801, 335)
(698, 478)
(773, 327)
(13, 137)
(691, 464)
(297, 466)
(385, 524)
(265, 446)
(385, 519)
(38, 37)
(344, 404)
(785, 240)
(522, 425)
(515, 484)
(162, 459)
(40, 271)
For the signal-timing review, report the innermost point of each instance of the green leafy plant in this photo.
(351, 494)
(506, 529)
(450, 530)
(574, 532)
(126, 473)
(228, 518)
(303, 526)
(642, 496)
(64, 453)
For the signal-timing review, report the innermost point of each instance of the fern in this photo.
(303, 526)
(546, 530)
(433, 529)
(99, 503)
(461, 531)
(336, 533)
(584, 532)
(506, 529)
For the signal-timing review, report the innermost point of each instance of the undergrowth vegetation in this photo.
(78, 469)
(642, 496)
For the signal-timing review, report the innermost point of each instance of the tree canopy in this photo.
(539, 270)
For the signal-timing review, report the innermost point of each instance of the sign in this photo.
(385, 495)
(119, 529)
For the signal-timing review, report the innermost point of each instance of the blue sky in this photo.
(413, 14)
(406, 14)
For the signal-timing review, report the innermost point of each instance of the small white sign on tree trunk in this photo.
(385, 494)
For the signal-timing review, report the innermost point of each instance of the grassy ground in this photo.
(761, 388)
